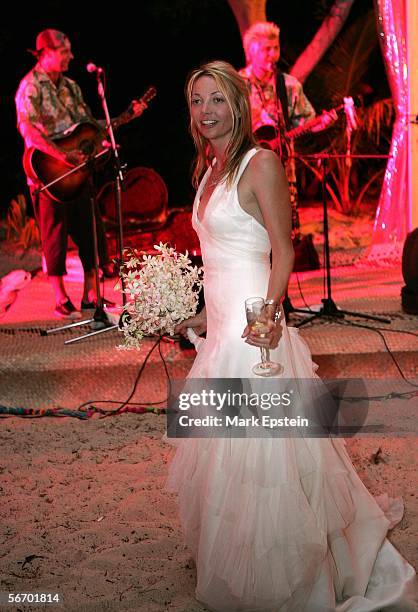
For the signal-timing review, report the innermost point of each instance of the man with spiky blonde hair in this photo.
(265, 82)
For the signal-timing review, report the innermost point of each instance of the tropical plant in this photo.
(247, 12)
(323, 39)
(340, 75)
(20, 227)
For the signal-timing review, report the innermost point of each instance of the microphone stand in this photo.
(329, 307)
(100, 319)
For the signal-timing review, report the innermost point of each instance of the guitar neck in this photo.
(122, 119)
(130, 113)
(324, 120)
(301, 130)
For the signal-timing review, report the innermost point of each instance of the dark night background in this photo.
(142, 43)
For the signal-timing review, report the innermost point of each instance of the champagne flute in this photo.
(257, 321)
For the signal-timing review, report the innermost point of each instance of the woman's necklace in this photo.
(214, 176)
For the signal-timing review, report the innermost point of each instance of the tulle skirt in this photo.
(283, 524)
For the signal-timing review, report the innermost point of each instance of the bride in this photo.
(273, 524)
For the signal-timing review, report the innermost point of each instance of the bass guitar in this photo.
(86, 137)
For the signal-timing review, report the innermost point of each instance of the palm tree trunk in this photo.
(248, 12)
(322, 40)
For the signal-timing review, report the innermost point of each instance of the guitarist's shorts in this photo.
(57, 221)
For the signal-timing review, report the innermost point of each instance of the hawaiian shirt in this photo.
(265, 104)
(51, 108)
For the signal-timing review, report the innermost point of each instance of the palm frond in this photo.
(342, 71)
(376, 117)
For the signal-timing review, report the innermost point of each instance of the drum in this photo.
(144, 199)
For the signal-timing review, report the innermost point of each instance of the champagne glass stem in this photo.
(256, 318)
(265, 354)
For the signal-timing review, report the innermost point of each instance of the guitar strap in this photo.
(282, 96)
(289, 163)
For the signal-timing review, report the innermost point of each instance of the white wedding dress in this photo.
(273, 524)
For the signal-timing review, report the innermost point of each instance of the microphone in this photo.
(93, 68)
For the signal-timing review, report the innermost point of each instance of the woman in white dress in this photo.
(273, 524)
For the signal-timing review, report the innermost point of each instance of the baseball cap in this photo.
(51, 39)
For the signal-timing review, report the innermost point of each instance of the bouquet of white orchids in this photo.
(162, 291)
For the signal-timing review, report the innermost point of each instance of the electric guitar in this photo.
(268, 136)
(88, 138)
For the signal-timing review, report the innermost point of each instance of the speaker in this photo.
(306, 256)
(409, 293)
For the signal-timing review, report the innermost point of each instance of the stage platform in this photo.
(339, 347)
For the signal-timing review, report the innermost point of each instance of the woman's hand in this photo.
(197, 323)
(267, 337)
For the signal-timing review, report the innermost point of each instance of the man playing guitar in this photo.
(278, 102)
(279, 105)
(262, 51)
(48, 104)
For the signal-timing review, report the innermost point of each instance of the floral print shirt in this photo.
(51, 108)
(265, 105)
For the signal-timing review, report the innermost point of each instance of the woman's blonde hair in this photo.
(235, 90)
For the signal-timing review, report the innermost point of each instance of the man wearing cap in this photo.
(48, 103)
